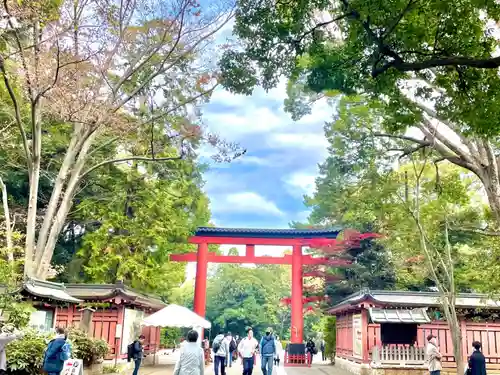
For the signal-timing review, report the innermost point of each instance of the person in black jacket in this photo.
(138, 353)
(477, 362)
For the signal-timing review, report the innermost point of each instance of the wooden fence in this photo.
(401, 355)
(487, 333)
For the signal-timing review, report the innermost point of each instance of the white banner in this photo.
(72, 367)
(357, 336)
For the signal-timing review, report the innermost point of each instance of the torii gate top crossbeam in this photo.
(274, 237)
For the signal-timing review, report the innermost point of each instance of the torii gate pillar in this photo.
(200, 289)
(297, 318)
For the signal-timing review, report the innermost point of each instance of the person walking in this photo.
(310, 350)
(220, 347)
(246, 349)
(135, 352)
(477, 361)
(267, 350)
(8, 334)
(53, 362)
(433, 356)
(232, 347)
(192, 359)
(279, 350)
(322, 347)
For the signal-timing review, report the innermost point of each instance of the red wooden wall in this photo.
(104, 325)
(344, 339)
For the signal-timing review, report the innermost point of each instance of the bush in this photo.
(284, 343)
(112, 369)
(330, 332)
(88, 349)
(25, 355)
(169, 336)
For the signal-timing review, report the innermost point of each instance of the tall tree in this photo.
(136, 225)
(432, 63)
(107, 72)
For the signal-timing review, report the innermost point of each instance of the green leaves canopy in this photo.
(373, 47)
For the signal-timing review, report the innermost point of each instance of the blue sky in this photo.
(265, 187)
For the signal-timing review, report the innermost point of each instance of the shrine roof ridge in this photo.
(268, 233)
(406, 298)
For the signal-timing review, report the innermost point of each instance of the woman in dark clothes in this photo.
(477, 362)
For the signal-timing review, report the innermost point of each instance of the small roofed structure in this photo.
(380, 331)
(113, 312)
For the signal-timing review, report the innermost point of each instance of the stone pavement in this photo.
(165, 366)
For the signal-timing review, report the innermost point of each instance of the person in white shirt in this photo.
(247, 349)
(191, 360)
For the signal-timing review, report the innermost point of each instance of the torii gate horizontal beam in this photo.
(249, 240)
(242, 259)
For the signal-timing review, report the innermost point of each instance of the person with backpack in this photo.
(135, 352)
(220, 347)
(311, 350)
(58, 351)
(232, 347)
(267, 350)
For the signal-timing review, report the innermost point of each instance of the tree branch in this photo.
(17, 112)
(491, 63)
(404, 138)
(120, 160)
(320, 25)
(480, 231)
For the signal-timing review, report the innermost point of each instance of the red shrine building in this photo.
(384, 332)
(296, 239)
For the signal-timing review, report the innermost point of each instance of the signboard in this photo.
(357, 339)
(131, 327)
(72, 367)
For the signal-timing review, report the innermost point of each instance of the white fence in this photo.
(398, 356)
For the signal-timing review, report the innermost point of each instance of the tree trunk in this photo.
(455, 330)
(44, 257)
(492, 189)
(8, 228)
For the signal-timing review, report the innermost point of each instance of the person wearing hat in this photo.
(267, 351)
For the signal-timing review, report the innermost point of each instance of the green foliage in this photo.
(18, 313)
(369, 47)
(361, 186)
(87, 348)
(25, 355)
(112, 369)
(238, 297)
(169, 336)
(330, 337)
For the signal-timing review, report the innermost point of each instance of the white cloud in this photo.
(301, 183)
(304, 141)
(253, 121)
(245, 202)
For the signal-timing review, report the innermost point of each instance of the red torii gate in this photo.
(295, 238)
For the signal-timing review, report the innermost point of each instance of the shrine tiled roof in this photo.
(96, 292)
(267, 233)
(407, 299)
